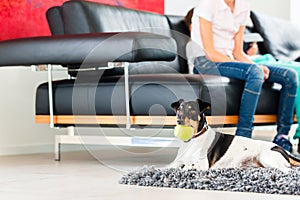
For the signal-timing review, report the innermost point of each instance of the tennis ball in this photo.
(184, 133)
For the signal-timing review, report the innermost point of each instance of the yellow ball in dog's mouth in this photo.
(184, 133)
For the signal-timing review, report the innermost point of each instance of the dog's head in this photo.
(191, 113)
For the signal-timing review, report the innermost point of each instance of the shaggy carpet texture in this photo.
(259, 180)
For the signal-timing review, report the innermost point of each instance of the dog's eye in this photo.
(178, 112)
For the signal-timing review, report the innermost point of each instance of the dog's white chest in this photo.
(194, 153)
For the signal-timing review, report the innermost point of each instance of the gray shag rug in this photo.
(259, 180)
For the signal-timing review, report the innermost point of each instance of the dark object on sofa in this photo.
(87, 35)
(151, 83)
(77, 26)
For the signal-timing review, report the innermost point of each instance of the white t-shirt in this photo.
(225, 24)
(192, 51)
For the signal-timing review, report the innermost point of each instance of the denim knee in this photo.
(255, 72)
(291, 76)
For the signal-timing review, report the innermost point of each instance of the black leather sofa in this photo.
(87, 35)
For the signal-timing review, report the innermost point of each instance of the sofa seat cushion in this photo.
(149, 95)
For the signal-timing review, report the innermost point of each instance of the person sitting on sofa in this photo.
(221, 53)
(251, 49)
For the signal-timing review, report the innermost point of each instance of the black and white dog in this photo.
(210, 149)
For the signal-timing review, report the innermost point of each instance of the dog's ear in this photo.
(203, 106)
(175, 105)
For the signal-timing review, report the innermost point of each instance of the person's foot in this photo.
(283, 141)
(297, 137)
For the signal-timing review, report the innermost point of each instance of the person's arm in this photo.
(239, 54)
(208, 44)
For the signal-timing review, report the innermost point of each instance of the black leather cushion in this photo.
(150, 95)
(90, 17)
(55, 20)
(281, 37)
(90, 49)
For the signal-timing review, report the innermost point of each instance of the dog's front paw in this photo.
(196, 164)
(200, 164)
(189, 166)
(177, 165)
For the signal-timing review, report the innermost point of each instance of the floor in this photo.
(94, 174)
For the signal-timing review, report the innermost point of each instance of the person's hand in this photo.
(266, 72)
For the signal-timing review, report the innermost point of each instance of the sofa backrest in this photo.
(281, 37)
(89, 17)
(55, 20)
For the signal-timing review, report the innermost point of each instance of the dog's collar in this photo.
(203, 130)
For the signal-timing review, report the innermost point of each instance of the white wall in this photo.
(278, 8)
(179, 7)
(287, 9)
(294, 12)
(18, 131)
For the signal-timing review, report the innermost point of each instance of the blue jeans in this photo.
(253, 76)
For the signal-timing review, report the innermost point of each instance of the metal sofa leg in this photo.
(59, 139)
(57, 146)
